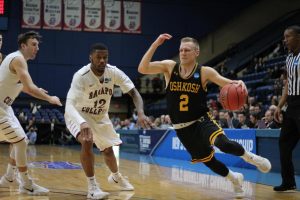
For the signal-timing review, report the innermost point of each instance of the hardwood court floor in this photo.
(151, 181)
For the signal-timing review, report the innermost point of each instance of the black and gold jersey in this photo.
(186, 98)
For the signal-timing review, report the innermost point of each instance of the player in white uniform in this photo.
(87, 117)
(14, 78)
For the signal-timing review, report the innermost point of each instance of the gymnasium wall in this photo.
(64, 52)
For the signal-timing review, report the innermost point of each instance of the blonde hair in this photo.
(194, 41)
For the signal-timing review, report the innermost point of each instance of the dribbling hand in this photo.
(242, 84)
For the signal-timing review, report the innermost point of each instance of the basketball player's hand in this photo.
(161, 39)
(86, 132)
(277, 114)
(144, 121)
(242, 84)
(55, 100)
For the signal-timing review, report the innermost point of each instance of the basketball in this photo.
(232, 97)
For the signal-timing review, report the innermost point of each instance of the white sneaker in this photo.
(238, 185)
(6, 182)
(94, 192)
(261, 163)
(121, 181)
(33, 189)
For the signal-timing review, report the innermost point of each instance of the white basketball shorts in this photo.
(104, 135)
(10, 128)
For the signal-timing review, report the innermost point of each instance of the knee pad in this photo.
(20, 153)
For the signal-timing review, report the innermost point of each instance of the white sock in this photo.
(116, 174)
(91, 180)
(25, 178)
(10, 171)
(231, 175)
(247, 155)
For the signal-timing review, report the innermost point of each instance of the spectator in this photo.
(34, 107)
(269, 120)
(52, 132)
(258, 111)
(243, 122)
(222, 121)
(32, 135)
(231, 121)
(65, 137)
(254, 121)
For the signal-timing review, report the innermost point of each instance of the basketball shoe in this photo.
(261, 163)
(94, 192)
(7, 182)
(32, 188)
(120, 181)
(237, 182)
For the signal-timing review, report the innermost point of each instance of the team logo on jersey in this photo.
(196, 75)
(106, 80)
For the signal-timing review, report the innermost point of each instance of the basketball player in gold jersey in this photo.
(186, 99)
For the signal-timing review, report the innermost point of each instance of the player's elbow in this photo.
(142, 69)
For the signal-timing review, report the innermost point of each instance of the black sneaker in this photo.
(283, 187)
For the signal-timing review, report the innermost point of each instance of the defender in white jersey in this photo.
(87, 117)
(14, 78)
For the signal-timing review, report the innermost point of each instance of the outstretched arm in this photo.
(143, 120)
(19, 66)
(148, 67)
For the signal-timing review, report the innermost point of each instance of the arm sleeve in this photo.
(74, 95)
(123, 81)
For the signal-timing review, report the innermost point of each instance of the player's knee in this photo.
(86, 144)
(20, 153)
(220, 144)
(210, 163)
(108, 152)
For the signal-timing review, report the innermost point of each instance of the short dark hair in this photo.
(193, 40)
(230, 114)
(294, 28)
(97, 46)
(24, 37)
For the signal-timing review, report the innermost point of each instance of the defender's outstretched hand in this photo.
(55, 100)
(144, 121)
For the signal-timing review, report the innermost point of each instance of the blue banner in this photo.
(148, 139)
(245, 137)
(171, 147)
(130, 140)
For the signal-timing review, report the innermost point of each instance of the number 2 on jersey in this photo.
(184, 100)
